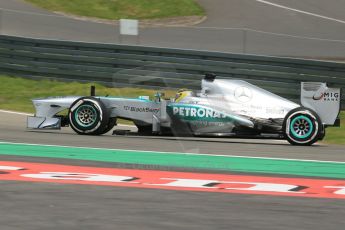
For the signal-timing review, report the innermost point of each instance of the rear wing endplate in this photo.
(323, 100)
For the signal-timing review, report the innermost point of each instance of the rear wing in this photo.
(323, 100)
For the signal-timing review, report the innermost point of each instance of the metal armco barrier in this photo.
(120, 65)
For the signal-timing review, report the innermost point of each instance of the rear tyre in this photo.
(322, 134)
(302, 126)
(88, 116)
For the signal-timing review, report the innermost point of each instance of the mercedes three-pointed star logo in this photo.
(243, 94)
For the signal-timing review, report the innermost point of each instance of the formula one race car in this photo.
(222, 108)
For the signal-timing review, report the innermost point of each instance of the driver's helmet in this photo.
(182, 93)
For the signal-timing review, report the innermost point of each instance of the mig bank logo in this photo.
(326, 96)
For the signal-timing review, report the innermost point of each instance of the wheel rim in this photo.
(86, 115)
(301, 127)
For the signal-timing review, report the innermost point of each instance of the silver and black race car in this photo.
(223, 107)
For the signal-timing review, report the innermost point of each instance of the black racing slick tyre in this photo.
(109, 126)
(88, 116)
(302, 126)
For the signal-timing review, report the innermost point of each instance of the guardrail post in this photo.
(1, 20)
(244, 51)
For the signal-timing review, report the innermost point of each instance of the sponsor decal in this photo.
(197, 113)
(243, 94)
(326, 96)
(141, 109)
(275, 111)
(202, 182)
(200, 112)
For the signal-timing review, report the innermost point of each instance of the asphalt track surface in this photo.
(313, 18)
(26, 205)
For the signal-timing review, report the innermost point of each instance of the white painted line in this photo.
(14, 112)
(195, 154)
(30, 13)
(263, 32)
(301, 11)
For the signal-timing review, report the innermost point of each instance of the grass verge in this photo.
(117, 9)
(336, 135)
(16, 94)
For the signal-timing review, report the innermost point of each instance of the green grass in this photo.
(336, 135)
(16, 94)
(117, 9)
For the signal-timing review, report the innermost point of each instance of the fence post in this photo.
(1, 21)
(244, 51)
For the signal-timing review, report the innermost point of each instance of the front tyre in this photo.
(109, 126)
(302, 126)
(88, 116)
